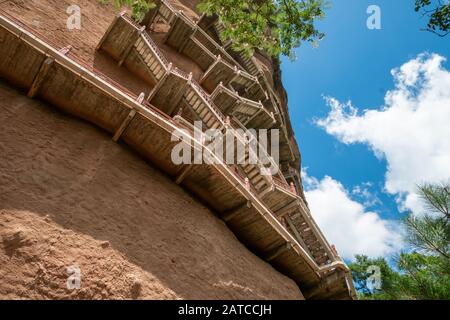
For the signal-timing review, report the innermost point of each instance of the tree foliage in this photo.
(438, 14)
(138, 7)
(430, 232)
(361, 275)
(423, 273)
(274, 26)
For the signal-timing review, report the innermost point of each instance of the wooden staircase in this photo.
(175, 89)
(309, 238)
(202, 108)
(147, 129)
(248, 112)
(155, 63)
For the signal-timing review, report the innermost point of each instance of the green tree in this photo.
(430, 233)
(438, 15)
(423, 273)
(138, 7)
(274, 26)
(362, 271)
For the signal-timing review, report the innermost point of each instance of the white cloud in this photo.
(364, 193)
(346, 223)
(411, 131)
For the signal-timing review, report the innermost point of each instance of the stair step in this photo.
(153, 64)
(216, 125)
(253, 173)
(260, 184)
(139, 45)
(159, 74)
(211, 122)
(203, 113)
(150, 59)
(249, 168)
(197, 105)
(189, 95)
(207, 116)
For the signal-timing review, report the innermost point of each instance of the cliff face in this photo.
(70, 196)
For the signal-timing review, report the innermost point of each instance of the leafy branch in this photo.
(438, 15)
(139, 8)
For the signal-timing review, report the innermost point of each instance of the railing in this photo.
(208, 101)
(71, 63)
(251, 102)
(130, 20)
(147, 105)
(84, 64)
(180, 13)
(282, 183)
(169, 5)
(181, 73)
(155, 49)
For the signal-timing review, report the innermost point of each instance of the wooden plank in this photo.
(183, 173)
(128, 119)
(285, 210)
(110, 27)
(210, 69)
(298, 237)
(278, 251)
(130, 44)
(159, 84)
(233, 213)
(40, 77)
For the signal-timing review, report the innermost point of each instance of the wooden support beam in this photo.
(179, 95)
(328, 286)
(231, 214)
(278, 251)
(128, 119)
(151, 15)
(106, 34)
(211, 67)
(297, 235)
(265, 192)
(124, 125)
(253, 116)
(40, 77)
(131, 41)
(160, 83)
(186, 40)
(183, 173)
(217, 90)
(172, 22)
(43, 72)
(237, 75)
(285, 209)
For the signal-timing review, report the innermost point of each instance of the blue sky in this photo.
(353, 63)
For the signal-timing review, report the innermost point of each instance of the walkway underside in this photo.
(190, 38)
(46, 72)
(204, 108)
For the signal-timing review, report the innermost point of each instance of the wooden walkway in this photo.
(200, 42)
(146, 124)
(286, 205)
